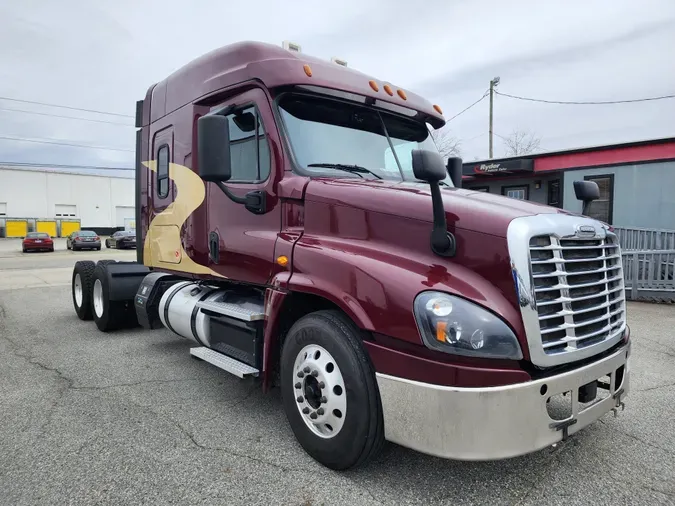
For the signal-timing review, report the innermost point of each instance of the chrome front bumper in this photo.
(495, 422)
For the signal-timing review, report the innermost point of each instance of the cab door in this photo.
(241, 243)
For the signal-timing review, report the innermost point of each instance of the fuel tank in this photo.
(179, 313)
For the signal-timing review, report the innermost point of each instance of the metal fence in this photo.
(631, 238)
(649, 275)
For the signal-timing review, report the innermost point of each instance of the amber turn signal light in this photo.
(282, 260)
(440, 331)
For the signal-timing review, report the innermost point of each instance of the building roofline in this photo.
(604, 147)
(56, 170)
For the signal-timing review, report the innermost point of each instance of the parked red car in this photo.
(37, 241)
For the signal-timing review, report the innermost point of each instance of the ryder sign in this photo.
(498, 167)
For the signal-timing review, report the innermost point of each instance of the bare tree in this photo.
(448, 145)
(521, 142)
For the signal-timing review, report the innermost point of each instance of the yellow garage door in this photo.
(68, 227)
(16, 228)
(48, 227)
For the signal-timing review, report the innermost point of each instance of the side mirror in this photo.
(213, 148)
(454, 166)
(428, 166)
(587, 192)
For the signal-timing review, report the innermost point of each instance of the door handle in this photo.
(214, 247)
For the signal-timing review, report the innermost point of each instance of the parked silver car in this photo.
(83, 239)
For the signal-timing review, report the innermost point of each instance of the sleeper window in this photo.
(163, 171)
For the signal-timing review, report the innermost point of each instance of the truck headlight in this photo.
(453, 325)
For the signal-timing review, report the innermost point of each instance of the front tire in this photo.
(329, 391)
(83, 276)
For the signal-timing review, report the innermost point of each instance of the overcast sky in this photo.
(104, 54)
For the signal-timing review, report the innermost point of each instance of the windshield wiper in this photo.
(354, 169)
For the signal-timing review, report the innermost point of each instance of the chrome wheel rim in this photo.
(98, 298)
(319, 391)
(78, 290)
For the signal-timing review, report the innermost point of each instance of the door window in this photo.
(249, 149)
(602, 208)
(554, 193)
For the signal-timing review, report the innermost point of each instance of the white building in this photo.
(99, 202)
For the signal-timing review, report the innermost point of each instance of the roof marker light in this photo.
(291, 46)
(402, 94)
(374, 85)
(308, 70)
(438, 109)
(388, 90)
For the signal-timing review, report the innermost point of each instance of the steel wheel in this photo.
(98, 298)
(320, 391)
(77, 288)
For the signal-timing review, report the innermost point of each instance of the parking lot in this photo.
(129, 418)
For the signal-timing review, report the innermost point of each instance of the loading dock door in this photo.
(123, 214)
(48, 227)
(68, 227)
(16, 228)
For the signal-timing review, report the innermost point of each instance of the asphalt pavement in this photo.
(129, 418)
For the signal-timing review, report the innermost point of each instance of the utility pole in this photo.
(493, 83)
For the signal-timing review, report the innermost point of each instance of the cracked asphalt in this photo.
(130, 418)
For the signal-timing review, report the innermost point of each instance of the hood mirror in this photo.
(587, 192)
(454, 166)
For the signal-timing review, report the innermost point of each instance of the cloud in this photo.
(105, 55)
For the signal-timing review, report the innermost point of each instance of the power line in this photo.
(66, 107)
(61, 166)
(606, 102)
(44, 141)
(66, 117)
(464, 110)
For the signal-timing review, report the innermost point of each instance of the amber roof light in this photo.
(374, 85)
(388, 90)
(307, 69)
(438, 109)
(402, 94)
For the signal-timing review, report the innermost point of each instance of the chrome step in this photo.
(224, 362)
(246, 311)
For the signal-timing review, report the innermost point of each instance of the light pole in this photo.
(493, 84)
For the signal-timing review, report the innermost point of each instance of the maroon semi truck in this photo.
(296, 221)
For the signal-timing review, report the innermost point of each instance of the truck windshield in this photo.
(325, 132)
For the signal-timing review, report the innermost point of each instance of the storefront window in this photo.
(516, 192)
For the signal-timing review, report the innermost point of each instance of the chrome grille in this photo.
(578, 291)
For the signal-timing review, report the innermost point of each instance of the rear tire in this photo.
(81, 283)
(350, 430)
(109, 315)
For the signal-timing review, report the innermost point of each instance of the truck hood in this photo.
(465, 209)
